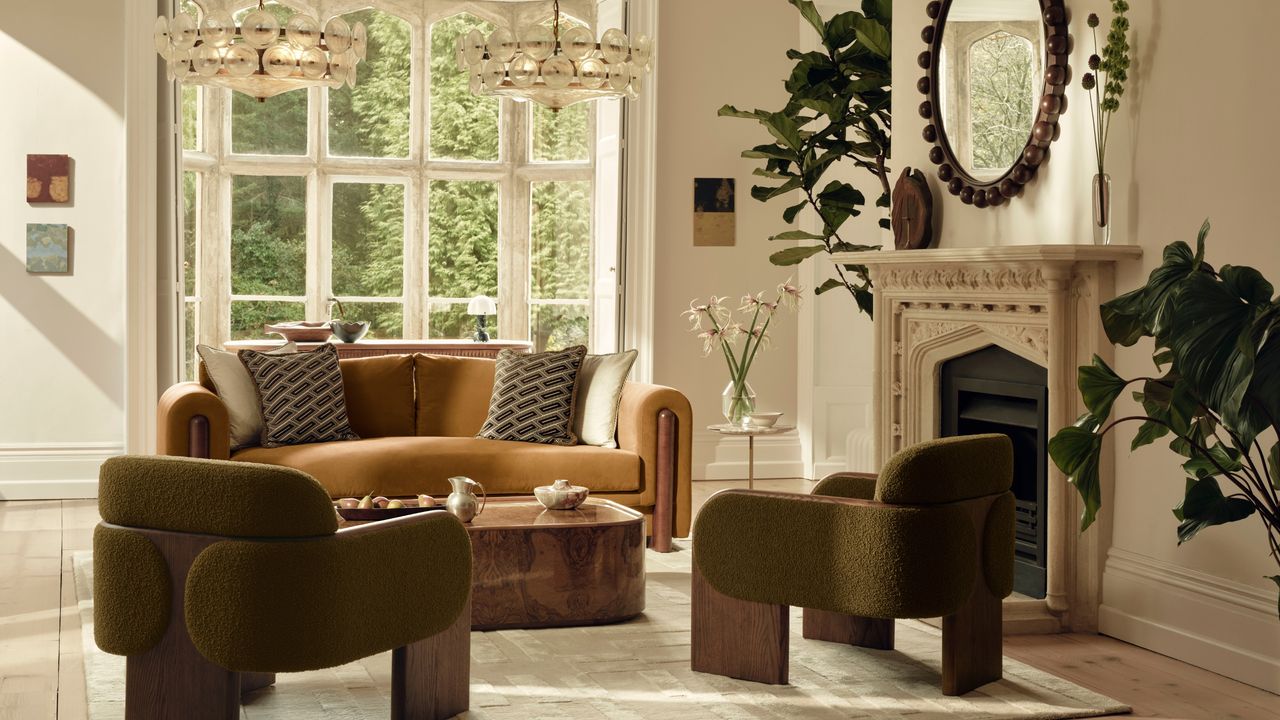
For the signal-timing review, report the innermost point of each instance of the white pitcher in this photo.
(462, 502)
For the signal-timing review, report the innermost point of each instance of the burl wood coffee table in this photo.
(534, 567)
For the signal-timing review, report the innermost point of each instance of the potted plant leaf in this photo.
(1216, 397)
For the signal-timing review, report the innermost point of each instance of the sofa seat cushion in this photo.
(405, 466)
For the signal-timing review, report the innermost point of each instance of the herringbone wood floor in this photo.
(42, 674)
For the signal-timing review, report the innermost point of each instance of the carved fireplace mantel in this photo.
(1037, 301)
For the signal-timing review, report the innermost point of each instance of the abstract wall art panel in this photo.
(48, 179)
(48, 249)
(714, 212)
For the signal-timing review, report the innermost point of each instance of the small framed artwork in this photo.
(714, 212)
(49, 179)
(48, 249)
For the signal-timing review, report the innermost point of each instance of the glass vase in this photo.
(737, 402)
(1102, 219)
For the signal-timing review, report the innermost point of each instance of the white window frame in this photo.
(514, 171)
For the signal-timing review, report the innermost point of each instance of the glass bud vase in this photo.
(1102, 219)
(737, 402)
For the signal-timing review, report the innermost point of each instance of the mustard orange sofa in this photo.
(417, 417)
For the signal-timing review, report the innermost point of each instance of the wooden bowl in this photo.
(301, 331)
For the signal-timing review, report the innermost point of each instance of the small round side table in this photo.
(751, 433)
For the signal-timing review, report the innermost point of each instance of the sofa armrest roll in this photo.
(656, 423)
(192, 421)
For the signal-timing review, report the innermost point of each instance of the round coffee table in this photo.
(533, 568)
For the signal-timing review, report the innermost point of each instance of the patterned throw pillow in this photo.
(302, 396)
(533, 397)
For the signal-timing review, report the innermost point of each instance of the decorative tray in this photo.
(374, 514)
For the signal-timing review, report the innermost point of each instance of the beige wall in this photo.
(63, 363)
(705, 64)
(1192, 141)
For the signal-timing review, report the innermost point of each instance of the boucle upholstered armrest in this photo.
(656, 423)
(191, 421)
(844, 555)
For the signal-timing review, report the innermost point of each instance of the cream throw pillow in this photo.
(600, 382)
(232, 383)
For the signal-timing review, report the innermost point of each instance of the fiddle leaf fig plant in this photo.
(838, 110)
(1215, 397)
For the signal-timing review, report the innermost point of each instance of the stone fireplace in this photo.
(951, 313)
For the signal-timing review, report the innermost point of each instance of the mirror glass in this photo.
(990, 71)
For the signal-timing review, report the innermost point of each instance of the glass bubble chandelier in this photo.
(259, 57)
(553, 66)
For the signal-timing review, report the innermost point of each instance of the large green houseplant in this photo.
(1217, 343)
(838, 109)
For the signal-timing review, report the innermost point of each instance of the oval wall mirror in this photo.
(996, 71)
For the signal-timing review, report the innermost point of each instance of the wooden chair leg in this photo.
(864, 632)
(665, 475)
(255, 681)
(431, 679)
(738, 638)
(973, 643)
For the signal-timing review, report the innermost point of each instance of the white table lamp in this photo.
(481, 307)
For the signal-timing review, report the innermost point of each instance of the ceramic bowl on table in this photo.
(561, 495)
(763, 419)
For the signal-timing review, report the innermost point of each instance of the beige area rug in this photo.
(640, 670)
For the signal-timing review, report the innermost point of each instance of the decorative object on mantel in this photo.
(346, 331)
(301, 331)
(738, 400)
(49, 179)
(1217, 341)
(1105, 90)
(912, 211)
(840, 97)
(48, 249)
(561, 495)
(258, 57)
(554, 66)
(481, 307)
(715, 221)
(982, 165)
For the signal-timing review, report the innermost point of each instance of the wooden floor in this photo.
(42, 673)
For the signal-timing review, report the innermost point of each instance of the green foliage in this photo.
(1107, 87)
(838, 110)
(1217, 331)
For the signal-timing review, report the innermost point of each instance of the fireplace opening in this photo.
(995, 391)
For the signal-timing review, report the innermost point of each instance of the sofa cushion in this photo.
(302, 396)
(600, 383)
(534, 396)
(379, 393)
(394, 466)
(230, 380)
(453, 394)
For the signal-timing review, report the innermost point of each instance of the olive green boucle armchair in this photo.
(932, 536)
(212, 576)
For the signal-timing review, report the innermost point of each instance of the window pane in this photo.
(463, 126)
(556, 327)
(463, 247)
(451, 322)
(277, 126)
(560, 259)
(190, 117)
(372, 120)
(190, 247)
(248, 318)
(268, 235)
(189, 343)
(386, 320)
(561, 136)
(368, 240)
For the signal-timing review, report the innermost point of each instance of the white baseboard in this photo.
(717, 457)
(52, 471)
(1207, 621)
